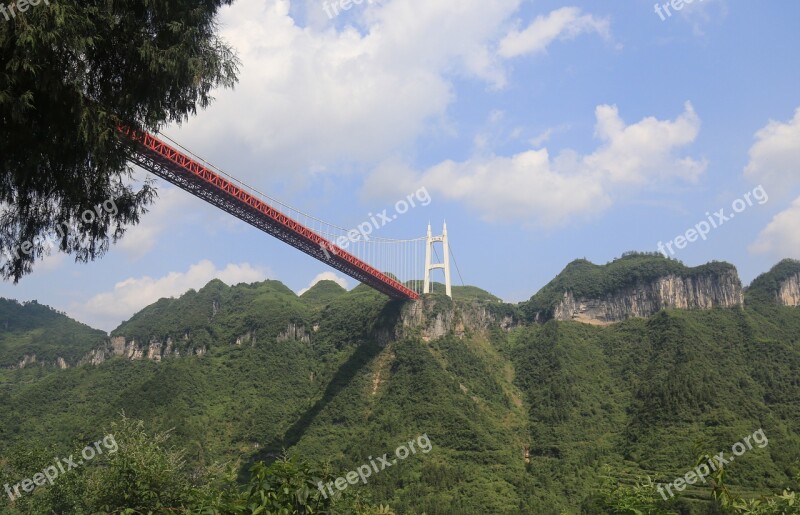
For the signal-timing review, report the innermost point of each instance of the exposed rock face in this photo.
(31, 359)
(246, 338)
(669, 292)
(789, 294)
(95, 357)
(436, 317)
(153, 351)
(418, 315)
(294, 332)
(27, 359)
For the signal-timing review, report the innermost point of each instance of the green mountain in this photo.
(522, 417)
(322, 294)
(216, 315)
(767, 287)
(636, 282)
(31, 332)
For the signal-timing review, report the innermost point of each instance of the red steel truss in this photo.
(166, 162)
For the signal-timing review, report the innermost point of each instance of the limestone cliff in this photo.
(781, 285)
(436, 316)
(789, 293)
(642, 300)
(129, 349)
(635, 285)
(294, 332)
(31, 359)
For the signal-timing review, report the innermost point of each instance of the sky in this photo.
(543, 132)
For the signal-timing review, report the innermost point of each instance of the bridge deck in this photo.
(173, 166)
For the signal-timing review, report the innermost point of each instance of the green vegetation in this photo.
(33, 329)
(144, 473)
(587, 280)
(462, 293)
(72, 71)
(765, 287)
(642, 395)
(322, 294)
(559, 417)
(217, 315)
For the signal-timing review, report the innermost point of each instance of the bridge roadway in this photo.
(163, 160)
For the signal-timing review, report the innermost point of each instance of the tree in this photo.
(72, 71)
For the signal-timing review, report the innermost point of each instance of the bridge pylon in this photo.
(430, 241)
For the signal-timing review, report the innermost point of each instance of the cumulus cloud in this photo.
(781, 237)
(564, 23)
(312, 97)
(533, 187)
(107, 310)
(325, 276)
(775, 155)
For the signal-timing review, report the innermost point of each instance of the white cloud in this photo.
(534, 188)
(775, 156)
(325, 276)
(311, 97)
(107, 310)
(781, 237)
(564, 23)
(641, 152)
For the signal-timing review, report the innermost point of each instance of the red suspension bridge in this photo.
(400, 260)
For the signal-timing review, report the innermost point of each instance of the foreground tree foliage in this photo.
(147, 475)
(643, 498)
(71, 71)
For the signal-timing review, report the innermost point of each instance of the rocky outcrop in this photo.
(31, 359)
(247, 338)
(294, 332)
(669, 292)
(27, 360)
(434, 317)
(95, 357)
(129, 349)
(789, 293)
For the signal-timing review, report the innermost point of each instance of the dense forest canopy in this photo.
(72, 71)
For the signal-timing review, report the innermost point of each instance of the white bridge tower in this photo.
(429, 242)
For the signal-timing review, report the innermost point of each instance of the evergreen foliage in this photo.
(587, 280)
(605, 412)
(765, 287)
(33, 329)
(72, 71)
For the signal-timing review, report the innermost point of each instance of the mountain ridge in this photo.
(523, 417)
(634, 285)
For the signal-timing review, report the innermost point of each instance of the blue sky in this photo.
(544, 131)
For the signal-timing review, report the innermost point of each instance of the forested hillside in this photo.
(560, 417)
(31, 329)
